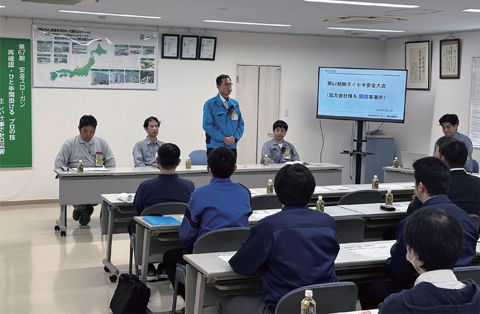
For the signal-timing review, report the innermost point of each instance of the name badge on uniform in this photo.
(234, 115)
(98, 159)
(287, 155)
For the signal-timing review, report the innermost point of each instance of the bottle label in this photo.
(80, 168)
(188, 164)
(308, 307)
(375, 184)
(389, 199)
(265, 161)
(270, 188)
(395, 163)
(321, 206)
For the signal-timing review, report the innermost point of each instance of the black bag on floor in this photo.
(131, 295)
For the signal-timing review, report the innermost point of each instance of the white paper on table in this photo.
(127, 198)
(409, 185)
(381, 250)
(91, 169)
(338, 188)
(254, 192)
(320, 189)
(225, 257)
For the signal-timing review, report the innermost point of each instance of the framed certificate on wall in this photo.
(170, 46)
(208, 46)
(189, 47)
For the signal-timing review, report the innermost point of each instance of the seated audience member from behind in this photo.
(290, 249)
(167, 187)
(144, 151)
(449, 123)
(92, 151)
(277, 149)
(434, 241)
(432, 178)
(220, 204)
(464, 190)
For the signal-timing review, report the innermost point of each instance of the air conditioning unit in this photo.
(61, 2)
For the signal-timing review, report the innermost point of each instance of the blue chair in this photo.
(474, 166)
(198, 157)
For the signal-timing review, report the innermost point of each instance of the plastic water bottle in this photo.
(265, 160)
(375, 182)
(389, 198)
(320, 204)
(188, 163)
(270, 186)
(395, 162)
(308, 305)
(80, 167)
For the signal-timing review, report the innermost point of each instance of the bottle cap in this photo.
(269, 180)
(389, 191)
(396, 158)
(80, 160)
(188, 158)
(309, 293)
(319, 197)
(266, 155)
(375, 176)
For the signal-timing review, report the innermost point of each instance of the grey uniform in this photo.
(75, 149)
(277, 155)
(144, 152)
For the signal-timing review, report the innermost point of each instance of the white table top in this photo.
(373, 210)
(215, 265)
(399, 169)
(195, 169)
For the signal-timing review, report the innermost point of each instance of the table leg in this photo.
(146, 252)
(199, 293)
(61, 223)
(108, 258)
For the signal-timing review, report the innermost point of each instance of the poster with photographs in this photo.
(77, 57)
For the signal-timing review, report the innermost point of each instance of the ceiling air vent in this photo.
(365, 19)
(61, 2)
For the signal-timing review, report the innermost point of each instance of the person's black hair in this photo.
(221, 77)
(294, 185)
(455, 152)
(222, 162)
(452, 118)
(436, 236)
(87, 120)
(442, 140)
(168, 155)
(433, 173)
(280, 124)
(148, 120)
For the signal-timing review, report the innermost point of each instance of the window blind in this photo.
(475, 104)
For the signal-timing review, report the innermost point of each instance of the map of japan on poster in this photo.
(77, 57)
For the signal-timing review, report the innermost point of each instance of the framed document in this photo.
(208, 46)
(450, 58)
(418, 63)
(170, 47)
(189, 47)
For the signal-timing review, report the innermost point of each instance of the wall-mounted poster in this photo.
(418, 64)
(77, 57)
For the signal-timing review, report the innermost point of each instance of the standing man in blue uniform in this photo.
(145, 150)
(222, 119)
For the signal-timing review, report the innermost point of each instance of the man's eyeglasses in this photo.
(227, 84)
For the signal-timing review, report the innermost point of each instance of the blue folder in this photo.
(161, 220)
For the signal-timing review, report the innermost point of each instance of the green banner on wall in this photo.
(15, 103)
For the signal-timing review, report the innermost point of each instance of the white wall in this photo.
(183, 87)
(424, 108)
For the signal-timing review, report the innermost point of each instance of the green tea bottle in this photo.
(308, 305)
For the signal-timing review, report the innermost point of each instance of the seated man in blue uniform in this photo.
(449, 123)
(434, 241)
(144, 151)
(92, 151)
(167, 187)
(277, 149)
(432, 178)
(463, 189)
(290, 249)
(220, 204)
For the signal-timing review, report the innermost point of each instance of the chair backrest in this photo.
(198, 157)
(221, 240)
(476, 220)
(474, 166)
(468, 272)
(169, 208)
(350, 229)
(361, 197)
(265, 201)
(330, 298)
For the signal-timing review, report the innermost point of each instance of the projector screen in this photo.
(361, 94)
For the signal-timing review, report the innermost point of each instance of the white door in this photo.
(258, 93)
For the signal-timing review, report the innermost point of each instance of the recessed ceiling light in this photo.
(247, 23)
(2, 6)
(111, 14)
(472, 10)
(366, 29)
(372, 4)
